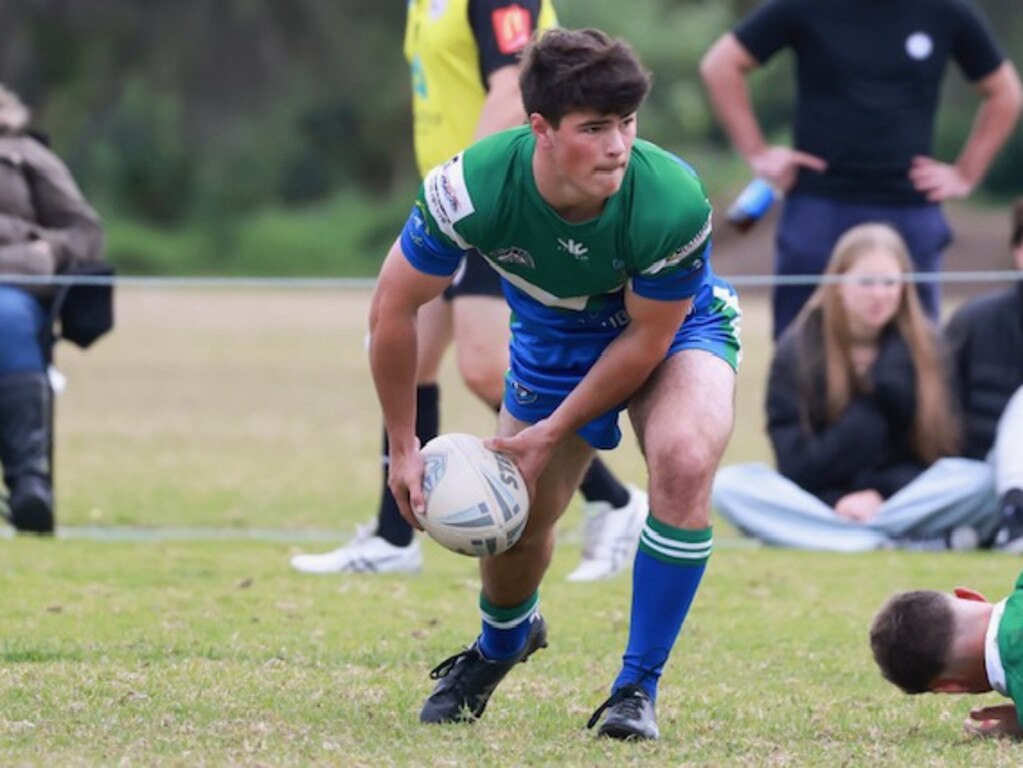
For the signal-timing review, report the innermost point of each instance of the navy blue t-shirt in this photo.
(869, 76)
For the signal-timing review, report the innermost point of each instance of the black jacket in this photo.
(868, 447)
(986, 339)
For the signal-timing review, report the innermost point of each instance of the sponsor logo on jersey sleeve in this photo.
(683, 252)
(419, 229)
(512, 28)
(447, 197)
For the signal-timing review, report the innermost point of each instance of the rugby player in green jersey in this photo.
(464, 59)
(938, 642)
(603, 243)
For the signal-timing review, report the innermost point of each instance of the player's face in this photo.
(873, 292)
(592, 151)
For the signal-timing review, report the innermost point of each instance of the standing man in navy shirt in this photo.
(869, 76)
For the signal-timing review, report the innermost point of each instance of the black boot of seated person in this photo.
(25, 450)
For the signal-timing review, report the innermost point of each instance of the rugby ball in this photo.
(476, 499)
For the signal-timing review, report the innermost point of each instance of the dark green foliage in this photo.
(1003, 180)
(198, 115)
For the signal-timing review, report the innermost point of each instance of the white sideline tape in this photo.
(120, 533)
(348, 283)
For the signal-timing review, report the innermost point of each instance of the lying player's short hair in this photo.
(911, 637)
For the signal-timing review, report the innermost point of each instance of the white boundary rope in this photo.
(191, 282)
(349, 283)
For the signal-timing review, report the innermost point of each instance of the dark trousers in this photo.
(810, 227)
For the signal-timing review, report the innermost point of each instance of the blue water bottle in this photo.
(751, 204)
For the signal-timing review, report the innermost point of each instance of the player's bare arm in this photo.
(400, 291)
(623, 367)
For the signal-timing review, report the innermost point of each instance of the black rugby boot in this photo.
(467, 679)
(630, 715)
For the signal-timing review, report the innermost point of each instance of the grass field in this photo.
(254, 408)
(252, 412)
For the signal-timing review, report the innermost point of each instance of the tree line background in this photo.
(270, 137)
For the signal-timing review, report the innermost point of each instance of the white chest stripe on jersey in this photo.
(447, 198)
(575, 303)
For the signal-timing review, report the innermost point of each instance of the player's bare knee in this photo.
(682, 469)
(486, 383)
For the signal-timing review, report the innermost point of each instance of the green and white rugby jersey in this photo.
(565, 281)
(654, 230)
(1008, 649)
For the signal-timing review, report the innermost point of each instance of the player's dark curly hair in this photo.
(568, 70)
(911, 638)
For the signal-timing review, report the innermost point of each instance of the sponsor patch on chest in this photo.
(574, 247)
(516, 256)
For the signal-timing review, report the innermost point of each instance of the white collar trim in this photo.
(992, 658)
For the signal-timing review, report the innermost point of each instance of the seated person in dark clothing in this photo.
(985, 337)
(860, 419)
(46, 226)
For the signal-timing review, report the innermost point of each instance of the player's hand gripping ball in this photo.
(476, 499)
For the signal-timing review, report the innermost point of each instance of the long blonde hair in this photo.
(935, 428)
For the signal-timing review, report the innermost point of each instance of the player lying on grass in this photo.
(603, 243)
(938, 642)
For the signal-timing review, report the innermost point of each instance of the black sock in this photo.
(391, 526)
(600, 485)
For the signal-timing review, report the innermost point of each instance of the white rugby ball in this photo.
(476, 499)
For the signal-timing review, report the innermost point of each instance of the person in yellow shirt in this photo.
(464, 61)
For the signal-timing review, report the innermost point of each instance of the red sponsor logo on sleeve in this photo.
(512, 28)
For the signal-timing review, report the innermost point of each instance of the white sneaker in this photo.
(610, 536)
(366, 553)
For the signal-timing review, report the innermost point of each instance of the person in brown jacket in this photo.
(46, 227)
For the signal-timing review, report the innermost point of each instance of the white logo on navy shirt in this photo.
(919, 46)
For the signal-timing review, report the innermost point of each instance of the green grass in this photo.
(252, 410)
(200, 653)
(255, 409)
